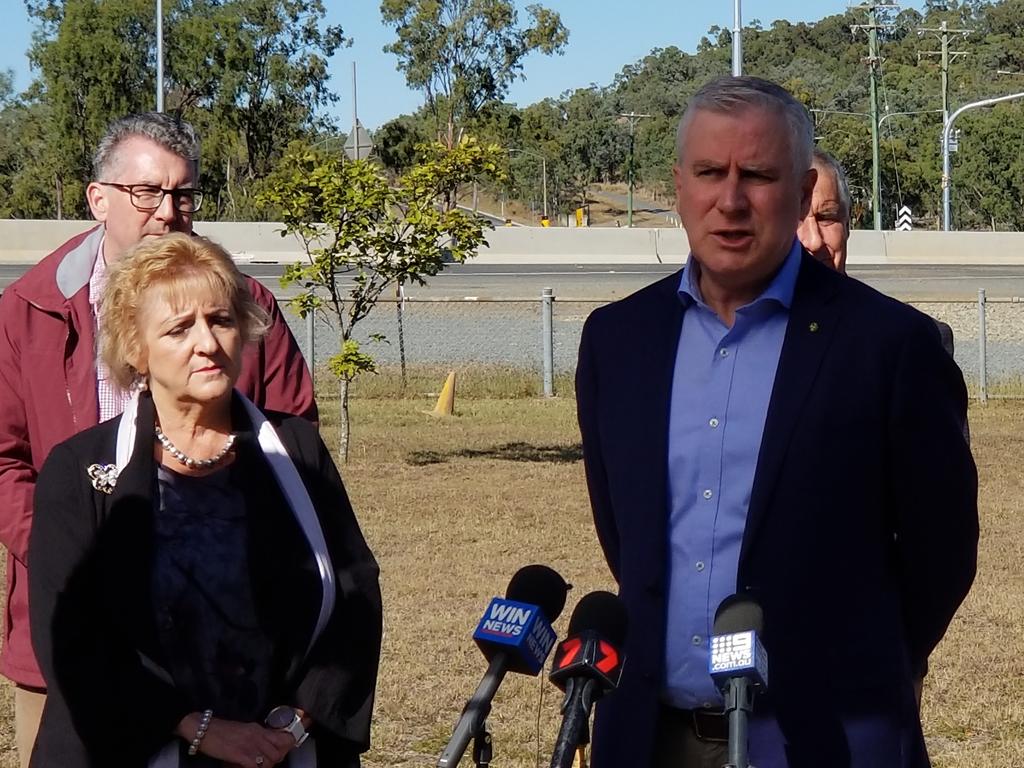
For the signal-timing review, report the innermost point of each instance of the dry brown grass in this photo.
(453, 507)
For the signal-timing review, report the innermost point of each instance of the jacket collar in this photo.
(813, 319)
(56, 280)
(75, 268)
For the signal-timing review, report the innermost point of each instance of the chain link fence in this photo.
(988, 335)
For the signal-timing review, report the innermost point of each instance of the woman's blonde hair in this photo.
(178, 264)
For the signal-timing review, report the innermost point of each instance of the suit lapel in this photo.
(652, 402)
(813, 319)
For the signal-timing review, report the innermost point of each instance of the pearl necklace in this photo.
(188, 461)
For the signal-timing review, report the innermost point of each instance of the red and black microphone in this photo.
(587, 665)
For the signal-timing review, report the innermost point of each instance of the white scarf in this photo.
(302, 507)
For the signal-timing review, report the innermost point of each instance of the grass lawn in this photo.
(452, 507)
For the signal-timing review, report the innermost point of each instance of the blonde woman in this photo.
(200, 589)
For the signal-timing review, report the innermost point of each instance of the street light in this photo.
(946, 129)
(543, 173)
(737, 40)
(159, 56)
(632, 118)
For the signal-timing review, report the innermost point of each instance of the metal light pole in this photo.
(633, 118)
(737, 40)
(946, 130)
(159, 56)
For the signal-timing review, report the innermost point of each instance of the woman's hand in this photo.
(241, 745)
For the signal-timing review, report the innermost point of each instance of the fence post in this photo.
(546, 300)
(311, 344)
(982, 349)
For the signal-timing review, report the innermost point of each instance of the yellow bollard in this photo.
(446, 401)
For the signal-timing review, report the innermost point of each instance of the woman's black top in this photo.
(217, 653)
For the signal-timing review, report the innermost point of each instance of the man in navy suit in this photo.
(760, 423)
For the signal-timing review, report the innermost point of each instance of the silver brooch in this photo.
(103, 477)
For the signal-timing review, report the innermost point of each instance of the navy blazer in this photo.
(861, 535)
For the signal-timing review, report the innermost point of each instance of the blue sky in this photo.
(603, 37)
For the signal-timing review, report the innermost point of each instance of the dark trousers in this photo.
(677, 744)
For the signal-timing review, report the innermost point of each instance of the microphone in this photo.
(588, 664)
(739, 667)
(514, 635)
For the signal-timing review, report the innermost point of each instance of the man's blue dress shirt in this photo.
(720, 393)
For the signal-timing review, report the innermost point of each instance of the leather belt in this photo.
(706, 724)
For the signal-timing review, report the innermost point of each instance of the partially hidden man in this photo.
(760, 423)
(145, 179)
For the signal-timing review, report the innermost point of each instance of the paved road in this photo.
(602, 282)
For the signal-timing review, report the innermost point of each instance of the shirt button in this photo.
(708, 494)
(723, 352)
(713, 423)
(696, 640)
(700, 565)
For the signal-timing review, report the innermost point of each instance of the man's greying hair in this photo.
(731, 95)
(822, 160)
(172, 134)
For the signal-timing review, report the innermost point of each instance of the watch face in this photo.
(281, 717)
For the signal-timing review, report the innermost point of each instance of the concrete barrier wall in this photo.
(29, 241)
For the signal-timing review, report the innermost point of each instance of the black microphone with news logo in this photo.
(515, 635)
(587, 665)
(739, 667)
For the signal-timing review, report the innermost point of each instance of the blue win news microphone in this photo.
(587, 665)
(739, 667)
(514, 635)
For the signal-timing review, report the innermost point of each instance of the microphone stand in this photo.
(739, 704)
(483, 745)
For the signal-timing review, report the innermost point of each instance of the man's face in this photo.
(739, 197)
(138, 160)
(826, 227)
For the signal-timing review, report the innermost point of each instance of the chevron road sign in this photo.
(904, 222)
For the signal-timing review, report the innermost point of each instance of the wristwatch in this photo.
(285, 718)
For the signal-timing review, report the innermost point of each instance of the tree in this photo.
(463, 54)
(355, 224)
(250, 74)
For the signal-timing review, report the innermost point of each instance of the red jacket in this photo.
(48, 393)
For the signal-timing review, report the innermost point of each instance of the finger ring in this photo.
(259, 761)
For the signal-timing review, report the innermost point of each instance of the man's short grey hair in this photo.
(169, 132)
(732, 95)
(822, 160)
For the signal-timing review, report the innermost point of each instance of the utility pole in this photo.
(737, 40)
(159, 56)
(632, 118)
(355, 110)
(946, 56)
(874, 61)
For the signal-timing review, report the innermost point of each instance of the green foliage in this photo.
(463, 54)
(823, 65)
(356, 225)
(351, 361)
(250, 74)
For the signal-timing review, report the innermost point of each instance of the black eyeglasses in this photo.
(146, 197)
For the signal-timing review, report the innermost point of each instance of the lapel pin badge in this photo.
(813, 327)
(103, 477)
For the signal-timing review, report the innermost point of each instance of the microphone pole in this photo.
(588, 664)
(514, 635)
(739, 666)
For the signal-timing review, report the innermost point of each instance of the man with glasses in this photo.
(146, 171)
